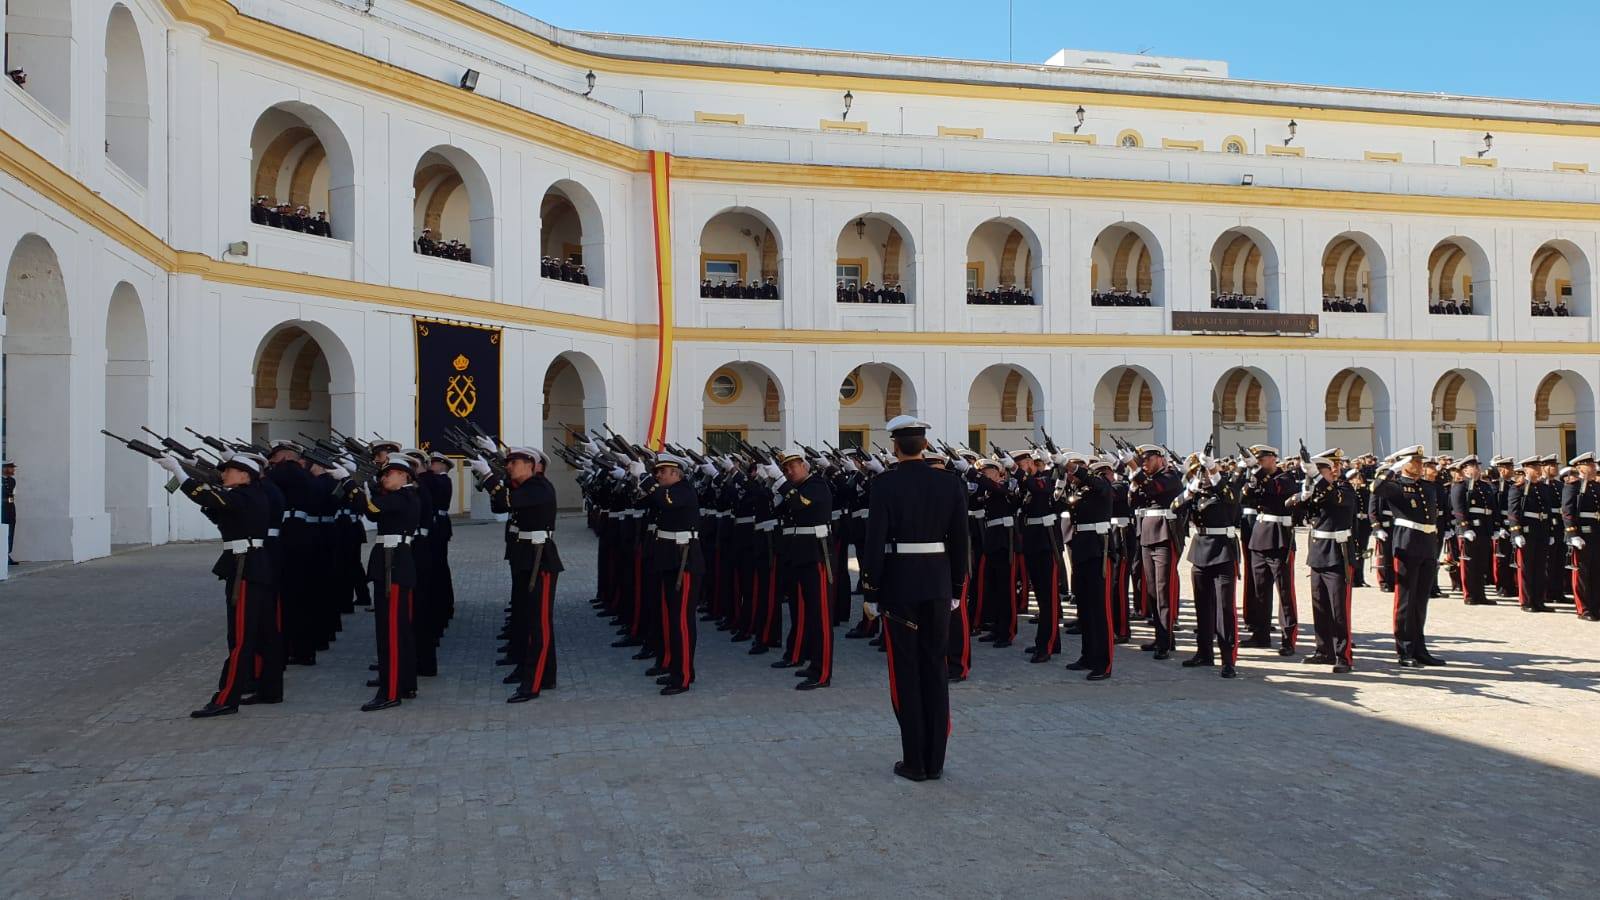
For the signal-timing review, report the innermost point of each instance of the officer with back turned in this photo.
(915, 551)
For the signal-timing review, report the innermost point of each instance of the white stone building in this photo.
(138, 291)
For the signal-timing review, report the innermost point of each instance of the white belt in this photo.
(720, 513)
(1041, 520)
(975, 513)
(1218, 532)
(860, 514)
(293, 514)
(441, 514)
(1589, 515)
(1120, 521)
(766, 526)
(650, 529)
(1528, 515)
(422, 531)
(1361, 515)
(1279, 520)
(1093, 527)
(1155, 513)
(1480, 511)
(1007, 521)
(1248, 511)
(914, 549)
(272, 532)
(745, 520)
(533, 537)
(1330, 535)
(243, 545)
(820, 531)
(393, 540)
(677, 537)
(1423, 527)
(836, 514)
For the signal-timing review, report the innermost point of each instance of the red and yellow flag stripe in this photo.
(661, 207)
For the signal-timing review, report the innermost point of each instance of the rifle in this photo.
(208, 475)
(1171, 456)
(1048, 443)
(170, 444)
(999, 454)
(1209, 443)
(252, 447)
(1305, 455)
(209, 441)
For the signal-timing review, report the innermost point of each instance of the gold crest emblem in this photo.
(461, 362)
(461, 396)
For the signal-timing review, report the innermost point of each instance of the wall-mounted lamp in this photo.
(861, 228)
(589, 80)
(849, 101)
(469, 80)
(239, 248)
(1294, 128)
(1080, 120)
(1488, 144)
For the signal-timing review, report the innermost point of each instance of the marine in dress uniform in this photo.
(1557, 559)
(392, 503)
(1212, 502)
(997, 567)
(805, 506)
(1361, 531)
(1272, 552)
(1330, 505)
(1412, 511)
(676, 565)
(8, 506)
(1473, 509)
(303, 620)
(1504, 567)
(1580, 516)
(529, 499)
(914, 553)
(242, 512)
(1533, 534)
(1089, 541)
(1154, 488)
(1041, 551)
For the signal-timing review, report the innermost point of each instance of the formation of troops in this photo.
(952, 547)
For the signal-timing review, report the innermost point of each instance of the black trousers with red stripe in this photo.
(1216, 612)
(1092, 589)
(767, 627)
(678, 625)
(1330, 612)
(1414, 579)
(1122, 566)
(958, 646)
(397, 664)
(1531, 571)
(919, 687)
(811, 637)
(1475, 561)
(1585, 574)
(1158, 565)
(255, 647)
(536, 597)
(1000, 593)
(1044, 573)
(840, 557)
(1273, 570)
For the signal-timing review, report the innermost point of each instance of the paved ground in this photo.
(1479, 779)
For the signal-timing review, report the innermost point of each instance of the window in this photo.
(723, 440)
(850, 271)
(1569, 442)
(723, 387)
(1130, 138)
(974, 277)
(977, 438)
(852, 438)
(722, 269)
(1233, 145)
(850, 388)
(1446, 442)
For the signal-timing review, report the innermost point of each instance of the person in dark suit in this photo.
(8, 507)
(1212, 503)
(1411, 509)
(1580, 510)
(914, 553)
(392, 503)
(1532, 533)
(805, 513)
(1330, 505)
(530, 499)
(1089, 538)
(674, 506)
(1473, 506)
(1154, 487)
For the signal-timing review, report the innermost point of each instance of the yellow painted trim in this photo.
(743, 259)
(710, 118)
(843, 125)
(1062, 137)
(852, 261)
(948, 131)
(978, 265)
(853, 377)
(738, 386)
(1376, 156)
(857, 178)
(1243, 144)
(1280, 150)
(1127, 133)
(1485, 162)
(581, 61)
(661, 210)
(1175, 144)
(1574, 168)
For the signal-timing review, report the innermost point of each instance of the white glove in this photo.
(955, 603)
(486, 444)
(870, 608)
(1501, 535)
(1519, 542)
(171, 465)
(1007, 463)
(1469, 535)
(635, 468)
(619, 473)
(1060, 459)
(874, 466)
(962, 465)
(849, 465)
(1380, 534)
(708, 470)
(1216, 478)
(339, 472)
(1575, 542)
(1303, 495)
(772, 471)
(479, 468)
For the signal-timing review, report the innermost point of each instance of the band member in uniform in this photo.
(1088, 498)
(393, 504)
(1472, 508)
(1532, 535)
(242, 513)
(1580, 513)
(1272, 552)
(1330, 504)
(1155, 487)
(805, 510)
(676, 559)
(1212, 501)
(530, 500)
(915, 551)
(1412, 510)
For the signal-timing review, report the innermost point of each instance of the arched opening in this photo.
(1245, 409)
(1004, 264)
(740, 257)
(1125, 267)
(1463, 411)
(1356, 414)
(1560, 280)
(1129, 405)
(1353, 277)
(574, 400)
(1458, 279)
(452, 210)
(127, 97)
(1004, 405)
(869, 396)
(1563, 415)
(874, 262)
(1244, 271)
(127, 398)
(302, 173)
(743, 401)
(303, 383)
(37, 351)
(571, 236)
(39, 52)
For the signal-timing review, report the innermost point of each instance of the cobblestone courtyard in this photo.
(1479, 779)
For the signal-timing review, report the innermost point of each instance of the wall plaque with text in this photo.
(1228, 322)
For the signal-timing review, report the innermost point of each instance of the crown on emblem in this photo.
(461, 362)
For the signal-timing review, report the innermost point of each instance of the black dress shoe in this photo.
(1097, 676)
(257, 700)
(376, 704)
(955, 677)
(505, 661)
(212, 710)
(935, 776)
(1001, 644)
(627, 642)
(1318, 659)
(1428, 659)
(1039, 658)
(739, 638)
(408, 695)
(673, 689)
(854, 634)
(1341, 669)
(811, 685)
(1077, 665)
(987, 638)
(1230, 672)
(664, 680)
(653, 671)
(1072, 629)
(757, 650)
(1409, 663)
(503, 649)
(1030, 649)
(643, 654)
(908, 773)
(784, 664)
(1286, 650)
(1163, 654)
(1152, 645)
(1197, 662)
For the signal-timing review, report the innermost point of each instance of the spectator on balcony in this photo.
(19, 77)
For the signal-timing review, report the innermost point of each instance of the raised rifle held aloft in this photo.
(211, 476)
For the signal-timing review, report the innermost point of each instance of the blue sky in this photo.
(1529, 50)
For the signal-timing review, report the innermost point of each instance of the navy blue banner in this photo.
(458, 380)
